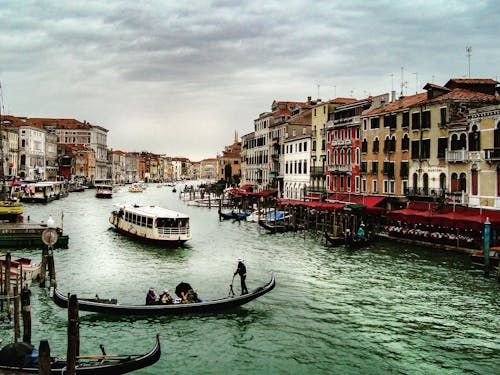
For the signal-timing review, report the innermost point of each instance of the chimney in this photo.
(401, 101)
(393, 96)
(309, 99)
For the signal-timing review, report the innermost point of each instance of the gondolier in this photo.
(242, 271)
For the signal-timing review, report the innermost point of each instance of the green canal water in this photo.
(389, 308)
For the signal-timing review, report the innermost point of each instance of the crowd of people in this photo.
(430, 233)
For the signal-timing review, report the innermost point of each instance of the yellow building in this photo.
(385, 146)
(440, 167)
(484, 135)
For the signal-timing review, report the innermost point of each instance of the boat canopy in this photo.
(151, 211)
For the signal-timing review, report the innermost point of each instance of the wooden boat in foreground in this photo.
(95, 364)
(174, 309)
(335, 240)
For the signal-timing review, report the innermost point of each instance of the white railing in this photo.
(457, 156)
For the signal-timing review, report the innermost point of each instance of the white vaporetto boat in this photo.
(151, 223)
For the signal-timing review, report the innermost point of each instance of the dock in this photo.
(19, 235)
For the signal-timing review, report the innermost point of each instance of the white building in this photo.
(297, 158)
(32, 153)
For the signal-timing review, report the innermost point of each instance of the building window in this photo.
(375, 186)
(404, 170)
(426, 120)
(406, 120)
(405, 143)
(374, 167)
(363, 185)
(426, 148)
(375, 145)
(442, 146)
(415, 121)
(443, 116)
(364, 146)
(474, 139)
(374, 123)
(415, 149)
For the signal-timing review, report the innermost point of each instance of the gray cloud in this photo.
(180, 69)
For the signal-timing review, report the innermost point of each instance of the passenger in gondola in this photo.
(151, 297)
(166, 298)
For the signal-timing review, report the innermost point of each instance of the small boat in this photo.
(278, 222)
(42, 192)
(135, 188)
(356, 242)
(100, 364)
(10, 209)
(335, 240)
(233, 215)
(151, 223)
(19, 265)
(210, 306)
(104, 191)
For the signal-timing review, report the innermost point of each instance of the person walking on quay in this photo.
(242, 271)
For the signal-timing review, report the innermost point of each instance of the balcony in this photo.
(340, 168)
(317, 171)
(457, 156)
(425, 194)
(492, 154)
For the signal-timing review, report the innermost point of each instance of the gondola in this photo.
(335, 240)
(356, 242)
(233, 215)
(95, 364)
(173, 309)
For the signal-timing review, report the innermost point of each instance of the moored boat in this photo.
(28, 234)
(233, 215)
(91, 364)
(19, 266)
(151, 223)
(334, 240)
(210, 306)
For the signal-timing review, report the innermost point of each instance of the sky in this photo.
(180, 78)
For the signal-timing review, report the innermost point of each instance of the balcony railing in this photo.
(340, 168)
(492, 154)
(429, 193)
(457, 156)
(317, 171)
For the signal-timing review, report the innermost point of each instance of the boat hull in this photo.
(174, 309)
(97, 365)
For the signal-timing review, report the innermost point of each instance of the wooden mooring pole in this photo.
(44, 366)
(43, 267)
(73, 334)
(26, 312)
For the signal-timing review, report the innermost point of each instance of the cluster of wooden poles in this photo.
(18, 295)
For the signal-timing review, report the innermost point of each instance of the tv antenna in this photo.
(468, 53)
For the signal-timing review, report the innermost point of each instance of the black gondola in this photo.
(233, 215)
(335, 240)
(96, 364)
(356, 242)
(278, 226)
(172, 309)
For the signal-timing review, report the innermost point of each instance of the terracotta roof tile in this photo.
(465, 95)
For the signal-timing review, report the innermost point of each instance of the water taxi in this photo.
(41, 192)
(151, 223)
(104, 191)
(135, 188)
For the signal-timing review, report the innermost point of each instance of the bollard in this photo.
(44, 366)
(486, 247)
(26, 312)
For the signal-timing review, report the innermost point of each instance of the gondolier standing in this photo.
(242, 271)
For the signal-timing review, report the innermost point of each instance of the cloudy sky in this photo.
(180, 78)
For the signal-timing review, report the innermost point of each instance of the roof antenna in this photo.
(468, 53)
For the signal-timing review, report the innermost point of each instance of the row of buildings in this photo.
(442, 144)
(44, 149)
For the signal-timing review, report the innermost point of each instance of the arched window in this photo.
(474, 139)
(358, 157)
(454, 183)
(462, 143)
(426, 183)
(348, 152)
(393, 144)
(387, 144)
(497, 137)
(462, 182)
(405, 143)
(342, 157)
(442, 181)
(474, 181)
(454, 142)
(364, 145)
(415, 181)
(375, 144)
